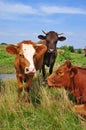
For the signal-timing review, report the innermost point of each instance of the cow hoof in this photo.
(27, 101)
(19, 100)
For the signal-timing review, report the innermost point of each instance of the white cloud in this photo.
(15, 11)
(16, 8)
(64, 10)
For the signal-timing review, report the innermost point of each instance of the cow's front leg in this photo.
(51, 68)
(43, 71)
(19, 80)
(27, 88)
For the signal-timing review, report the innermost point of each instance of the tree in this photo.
(3, 43)
(71, 49)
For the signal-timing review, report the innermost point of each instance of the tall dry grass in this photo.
(49, 109)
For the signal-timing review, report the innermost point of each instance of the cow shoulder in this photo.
(40, 51)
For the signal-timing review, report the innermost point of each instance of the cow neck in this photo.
(72, 85)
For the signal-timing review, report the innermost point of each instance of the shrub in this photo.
(66, 55)
(71, 49)
(79, 51)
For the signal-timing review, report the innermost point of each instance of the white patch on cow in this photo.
(29, 52)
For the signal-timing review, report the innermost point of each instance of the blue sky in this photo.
(25, 20)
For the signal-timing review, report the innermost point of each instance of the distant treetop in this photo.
(3, 43)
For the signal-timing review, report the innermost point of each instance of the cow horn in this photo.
(44, 32)
(60, 33)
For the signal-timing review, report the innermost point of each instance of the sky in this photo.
(25, 20)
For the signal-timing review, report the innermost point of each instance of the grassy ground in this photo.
(6, 61)
(49, 109)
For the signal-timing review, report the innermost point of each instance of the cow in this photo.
(28, 59)
(50, 40)
(85, 51)
(73, 79)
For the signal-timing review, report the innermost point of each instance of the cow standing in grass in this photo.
(29, 58)
(73, 79)
(50, 39)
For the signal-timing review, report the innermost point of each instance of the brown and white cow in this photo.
(50, 40)
(72, 78)
(29, 58)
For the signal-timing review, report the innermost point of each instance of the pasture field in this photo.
(6, 60)
(49, 109)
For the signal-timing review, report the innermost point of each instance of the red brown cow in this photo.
(71, 78)
(50, 39)
(29, 58)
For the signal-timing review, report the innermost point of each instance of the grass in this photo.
(6, 61)
(49, 109)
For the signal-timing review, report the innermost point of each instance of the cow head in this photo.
(26, 53)
(63, 76)
(51, 38)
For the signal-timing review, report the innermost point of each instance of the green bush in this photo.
(79, 51)
(71, 49)
(66, 55)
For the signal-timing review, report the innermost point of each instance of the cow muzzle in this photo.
(51, 50)
(29, 70)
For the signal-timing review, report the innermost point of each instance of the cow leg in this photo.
(43, 71)
(27, 88)
(19, 80)
(51, 69)
(80, 109)
(27, 94)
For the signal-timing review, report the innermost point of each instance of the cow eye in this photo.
(59, 72)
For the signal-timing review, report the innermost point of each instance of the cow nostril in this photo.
(26, 70)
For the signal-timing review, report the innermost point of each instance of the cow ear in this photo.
(41, 37)
(12, 49)
(61, 38)
(73, 71)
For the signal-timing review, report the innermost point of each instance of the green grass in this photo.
(49, 109)
(6, 61)
(78, 59)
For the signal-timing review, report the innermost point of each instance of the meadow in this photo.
(49, 109)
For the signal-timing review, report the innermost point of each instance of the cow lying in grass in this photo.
(72, 78)
(29, 58)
